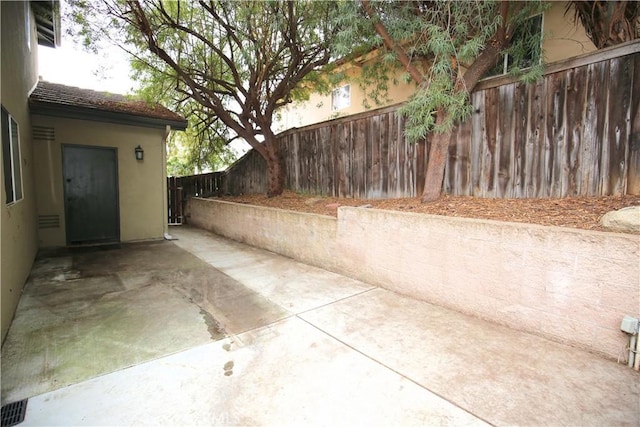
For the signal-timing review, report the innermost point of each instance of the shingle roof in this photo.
(68, 101)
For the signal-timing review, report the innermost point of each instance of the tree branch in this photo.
(390, 44)
(487, 59)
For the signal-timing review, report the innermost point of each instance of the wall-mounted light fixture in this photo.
(139, 153)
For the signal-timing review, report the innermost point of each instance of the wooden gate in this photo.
(174, 188)
(180, 188)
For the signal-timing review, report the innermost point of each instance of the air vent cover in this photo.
(43, 133)
(13, 413)
(48, 221)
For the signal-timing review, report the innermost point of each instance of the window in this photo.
(527, 40)
(11, 158)
(341, 98)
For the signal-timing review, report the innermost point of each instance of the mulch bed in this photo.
(575, 212)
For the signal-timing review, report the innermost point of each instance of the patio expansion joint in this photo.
(372, 288)
(384, 365)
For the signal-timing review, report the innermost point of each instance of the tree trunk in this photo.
(439, 151)
(438, 154)
(275, 172)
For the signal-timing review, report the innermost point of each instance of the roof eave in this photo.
(80, 113)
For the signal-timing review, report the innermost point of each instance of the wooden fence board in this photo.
(596, 118)
(506, 140)
(633, 175)
(345, 151)
(557, 126)
(536, 136)
(360, 161)
(528, 149)
(448, 184)
(575, 99)
(392, 158)
(475, 142)
(619, 123)
(490, 147)
(549, 152)
(338, 161)
(519, 139)
(417, 158)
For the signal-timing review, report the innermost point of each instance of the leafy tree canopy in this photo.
(204, 145)
(238, 61)
(437, 44)
(445, 47)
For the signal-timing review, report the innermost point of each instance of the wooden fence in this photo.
(365, 155)
(570, 134)
(576, 132)
(181, 188)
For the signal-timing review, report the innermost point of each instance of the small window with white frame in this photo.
(341, 98)
(11, 158)
(529, 36)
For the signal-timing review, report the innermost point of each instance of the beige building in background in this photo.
(562, 38)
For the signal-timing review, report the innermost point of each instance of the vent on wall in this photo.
(48, 221)
(43, 133)
(13, 413)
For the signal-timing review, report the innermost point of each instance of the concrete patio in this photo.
(206, 331)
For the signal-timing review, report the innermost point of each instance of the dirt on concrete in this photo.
(575, 212)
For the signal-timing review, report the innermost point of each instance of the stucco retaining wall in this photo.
(569, 285)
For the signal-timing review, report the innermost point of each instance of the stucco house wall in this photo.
(141, 184)
(18, 57)
(562, 38)
(50, 115)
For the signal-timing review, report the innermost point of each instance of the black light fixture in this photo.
(139, 153)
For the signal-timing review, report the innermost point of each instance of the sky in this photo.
(107, 71)
(70, 65)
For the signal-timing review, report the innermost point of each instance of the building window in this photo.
(341, 98)
(11, 158)
(529, 35)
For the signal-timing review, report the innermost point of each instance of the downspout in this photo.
(636, 363)
(631, 326)
(165, 203)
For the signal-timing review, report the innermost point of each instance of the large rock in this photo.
(625, 220)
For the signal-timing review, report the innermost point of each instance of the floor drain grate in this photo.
(13, 413)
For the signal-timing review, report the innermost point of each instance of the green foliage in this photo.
(442, 39)
(190, 155)
(226, 65)
(204, 144)
(177, 165)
